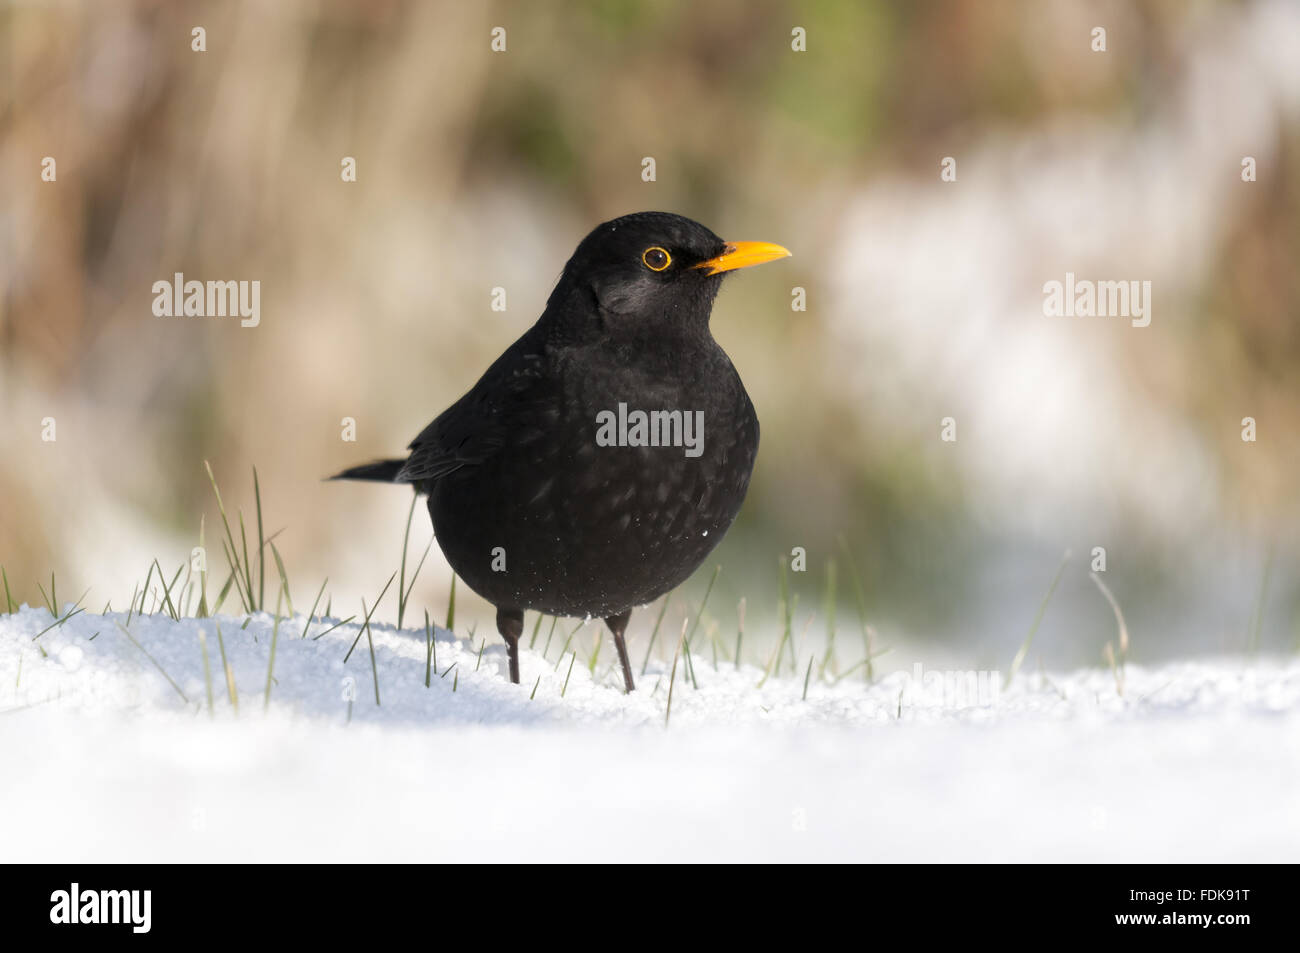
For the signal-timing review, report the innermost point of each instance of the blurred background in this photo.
(479, 169)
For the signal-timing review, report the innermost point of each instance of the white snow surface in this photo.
(101, 759)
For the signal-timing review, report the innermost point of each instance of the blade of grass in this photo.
(170, 680)
(130, 609)
(451, 606)
(431, 648)
(572, 657)
(317, 636)
(401, 576)
(261, 549)
(406, 599)
(76, 608)
(740, 628)
(1108, 653)
(370, 643)
(1038, 618)
(365, 627)
(225, 590)
(787, 610)
(230, 672)
(233, 561)
(860, 598)
(56, 623)
(49, 603)
(230, 537)
(284, 576)
(1119, 616)
(690, 666)
(404, 591)
(314, 604)
(663, 607)
(575, 631)
(248, 566)
(829, 608)
(167, 592)
(673, 678)
(203, 573)
(1256, 616)
(549, 634)
(857, 665)
(207, 669)
(270, 665)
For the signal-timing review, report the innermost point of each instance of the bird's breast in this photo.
(616, 495)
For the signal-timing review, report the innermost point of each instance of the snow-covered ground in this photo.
(102, 759)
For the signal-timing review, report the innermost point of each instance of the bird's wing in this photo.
(511, 402)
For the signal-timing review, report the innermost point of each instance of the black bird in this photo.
(601, 458)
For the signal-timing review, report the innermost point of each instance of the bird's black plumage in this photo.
(542, 492)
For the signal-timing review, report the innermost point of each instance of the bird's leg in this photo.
(510, 623)
(618, 625)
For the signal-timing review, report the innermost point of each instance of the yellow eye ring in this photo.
(656, 258)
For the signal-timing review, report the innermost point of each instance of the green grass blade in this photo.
(231, 691)
(314, 604)
(860, 597)
(572, 658)
(451, 606)
(170, 680)
(203, 573)
(429, 648)
(225, 590)
(673, 678)
(365, 627)
(270, 665)
(248, 566)
(207, 669)
(261, 548)
(1038, 618)
(317, 637)
(663, 607)
(231, 552)
(167, 592)
(284, 576)
(56, 623)
(740, 628)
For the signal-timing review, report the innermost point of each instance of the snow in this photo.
(101, 759)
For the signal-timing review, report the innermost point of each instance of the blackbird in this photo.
(602, 457)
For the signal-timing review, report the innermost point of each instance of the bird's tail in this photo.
(381, 471)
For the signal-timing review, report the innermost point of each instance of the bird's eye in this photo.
(656, 259)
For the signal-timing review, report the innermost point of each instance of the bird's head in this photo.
(644, 271)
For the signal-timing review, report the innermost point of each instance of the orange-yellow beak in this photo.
(742, 255)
